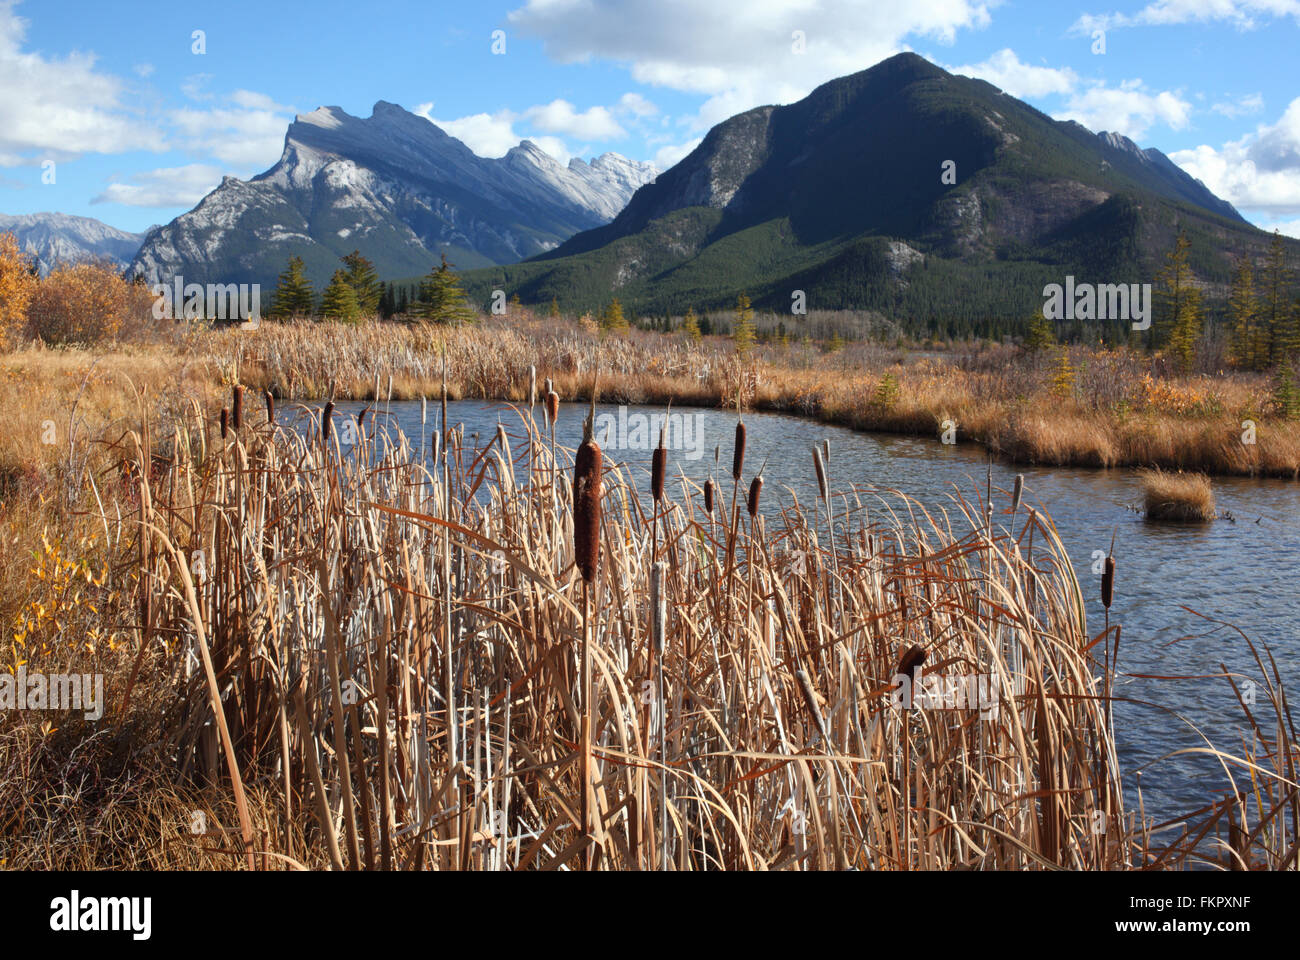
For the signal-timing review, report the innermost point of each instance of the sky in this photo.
(130, 112)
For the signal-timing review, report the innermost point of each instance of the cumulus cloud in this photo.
(1129, 109)
(64, 105)
(1260, 171)
(1005, 71)
(559, 116)
(667, 156)
(741, 53)
(167, 187)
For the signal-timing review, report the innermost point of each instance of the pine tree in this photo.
(1178, 307)
(553, 312)
(516, 305)
(1274, 309)
(742, 331)
(1249, 342)
(1039, 334)
(691, 325)
(293, 294)
(442, 299)
(612, 318)
(339, 302)
(364, 282)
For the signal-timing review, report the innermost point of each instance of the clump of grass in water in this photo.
(1182, 497)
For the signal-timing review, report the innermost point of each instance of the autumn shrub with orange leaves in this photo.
(86, 303)
(17, 286)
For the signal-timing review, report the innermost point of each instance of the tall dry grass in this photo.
(386, 661)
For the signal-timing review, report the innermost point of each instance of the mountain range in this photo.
(52, 238)
(904, 189)
(396, 187)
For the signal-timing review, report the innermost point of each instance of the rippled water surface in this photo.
(1242, 572)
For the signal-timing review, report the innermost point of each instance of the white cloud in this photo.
(665, 157)
(635, 105)
(1128, 109)
(1005, 71)
(143, 70)
(1261, 171)
(167, 187)
(559, 116)
(1288, 228)
(64, 105)
(1241, 107)
(247, 132)
(487, 134)
(741, 53)
(1242, 14)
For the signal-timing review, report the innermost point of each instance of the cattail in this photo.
(1017, 492)
(659, 466)
(810, 699)
(270, 406)
(586, 499)
(1108, 583)
(658, 606)
(708, 496)
(326, 420)
(552, 406)
(819, 464)
(237, 407)
(225, 423)
(826, 449)
(738, 458)
(911, 661)
(532, 385)
(755, 488)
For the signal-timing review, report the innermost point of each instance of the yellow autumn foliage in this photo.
(17, 286)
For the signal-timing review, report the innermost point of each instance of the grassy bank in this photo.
(1079, 407)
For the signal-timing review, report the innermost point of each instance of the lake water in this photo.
(1241, 572)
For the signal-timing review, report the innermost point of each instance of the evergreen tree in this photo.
(516, 305)
(691, 325)
(1249, 343)
(388, 302)
(742, 331)
(339, 302)
(1039, 334)
(553, 312)
(364, 281)
(293, 294)
(442, 299)
(612, 318)
(1274, 309)
(1177, 322)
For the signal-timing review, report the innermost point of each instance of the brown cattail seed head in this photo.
(659, 467)
(237, 407)
(1108, 583)
(532, 385)
(708, 496)
(911, 661)
(755, 488)
(326, 419)
(1017, 492)
(586, 505)
(270, 406)
(552, 406)
(225, 423)
(738, 458)
(819, 464)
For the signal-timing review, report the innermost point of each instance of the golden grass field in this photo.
(378, 662)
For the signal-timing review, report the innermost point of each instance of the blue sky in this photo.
(115, 103)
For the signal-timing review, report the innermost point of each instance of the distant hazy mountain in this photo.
(58, 238)
(396, 187)
(842, 195)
